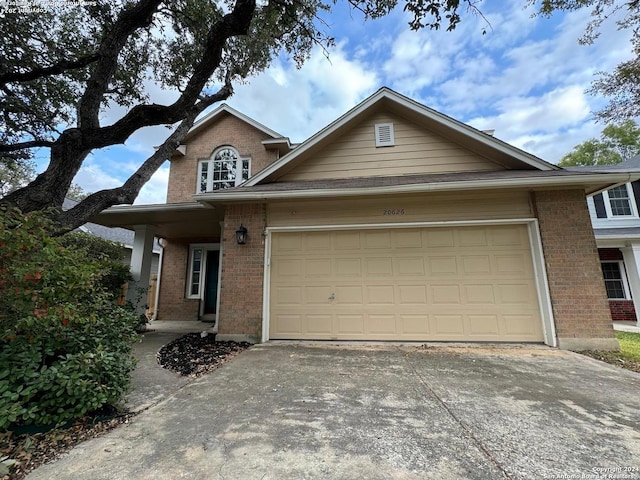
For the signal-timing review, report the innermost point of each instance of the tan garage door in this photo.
(460, 283)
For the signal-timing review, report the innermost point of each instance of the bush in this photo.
(65, 345)
(109, 256)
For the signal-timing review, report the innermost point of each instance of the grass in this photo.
(629, 355)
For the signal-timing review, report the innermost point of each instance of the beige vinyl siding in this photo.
(416, 151)
(471, 283)
(401, 209)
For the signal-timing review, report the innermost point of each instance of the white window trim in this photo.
(632, 204)
(211, 161)
(625, 283)
(203, 269)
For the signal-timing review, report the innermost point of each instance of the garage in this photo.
(445, 283)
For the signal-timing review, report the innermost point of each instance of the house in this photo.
(616, 226)
(125, 238)
(394, 222)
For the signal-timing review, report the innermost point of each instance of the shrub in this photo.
(109, 256)
(65, 345)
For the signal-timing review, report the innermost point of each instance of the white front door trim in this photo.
(535, 242)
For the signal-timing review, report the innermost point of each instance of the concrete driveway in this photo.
(306, 411)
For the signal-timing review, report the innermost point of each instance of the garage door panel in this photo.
(482, 294)
(317, 241)
(287, 244)
(442, 265)
(416, 326)
(472, 237)
(449, 283)
(382, 324)
(447, 325)
(318, 268)
(319, 324)
(318, 294)
(407, 238)
(349, 295)
(287, 296)
(445, 294)
(409, 266)
(289, 324)
(520, 325)
(509, 236)
(480, 325)
(289, 267)
(350, 324)
(514, 264)
(380, 295)
(412, 295)
(379, 267)
(476, 264)
(346, 240)
(520, 293)
(377, 239)
(348, 267)
(439, 238)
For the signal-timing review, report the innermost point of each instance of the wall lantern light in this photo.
(241, 235)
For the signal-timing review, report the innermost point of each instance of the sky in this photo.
(526, 78)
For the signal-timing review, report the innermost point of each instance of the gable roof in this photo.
(385, 98)
(222, 109)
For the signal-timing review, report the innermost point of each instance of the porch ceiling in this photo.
(184, 220)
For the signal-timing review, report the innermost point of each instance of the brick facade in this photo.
(226, 131)
(621, 310)
(578, 297)
(172, 302)
(242, 274)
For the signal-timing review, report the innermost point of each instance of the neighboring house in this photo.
(125, 238)
(394, 222)
(616, 225)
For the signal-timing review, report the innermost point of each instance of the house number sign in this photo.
(393, 211)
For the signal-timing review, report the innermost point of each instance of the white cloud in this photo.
(526, 78)
(297, 103)
(93, 177)
(155, 190)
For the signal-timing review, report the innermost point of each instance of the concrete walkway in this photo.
(324, 411)
(150, 383)
(626, 327)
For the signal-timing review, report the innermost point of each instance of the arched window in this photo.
(225, 169)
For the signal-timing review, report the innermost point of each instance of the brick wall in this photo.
(622, 310)
(578, 297)
(172, 304)
(242, 274)
(229, 131)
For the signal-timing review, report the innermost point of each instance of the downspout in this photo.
(157, 299)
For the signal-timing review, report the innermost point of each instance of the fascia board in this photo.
(156, 207)
(503, 183)
(226, 108)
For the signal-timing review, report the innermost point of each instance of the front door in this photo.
(211, 282)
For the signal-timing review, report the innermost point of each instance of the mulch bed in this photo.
(191, 355)
(194, 355)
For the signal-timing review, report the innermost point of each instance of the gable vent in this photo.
(384, 135)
